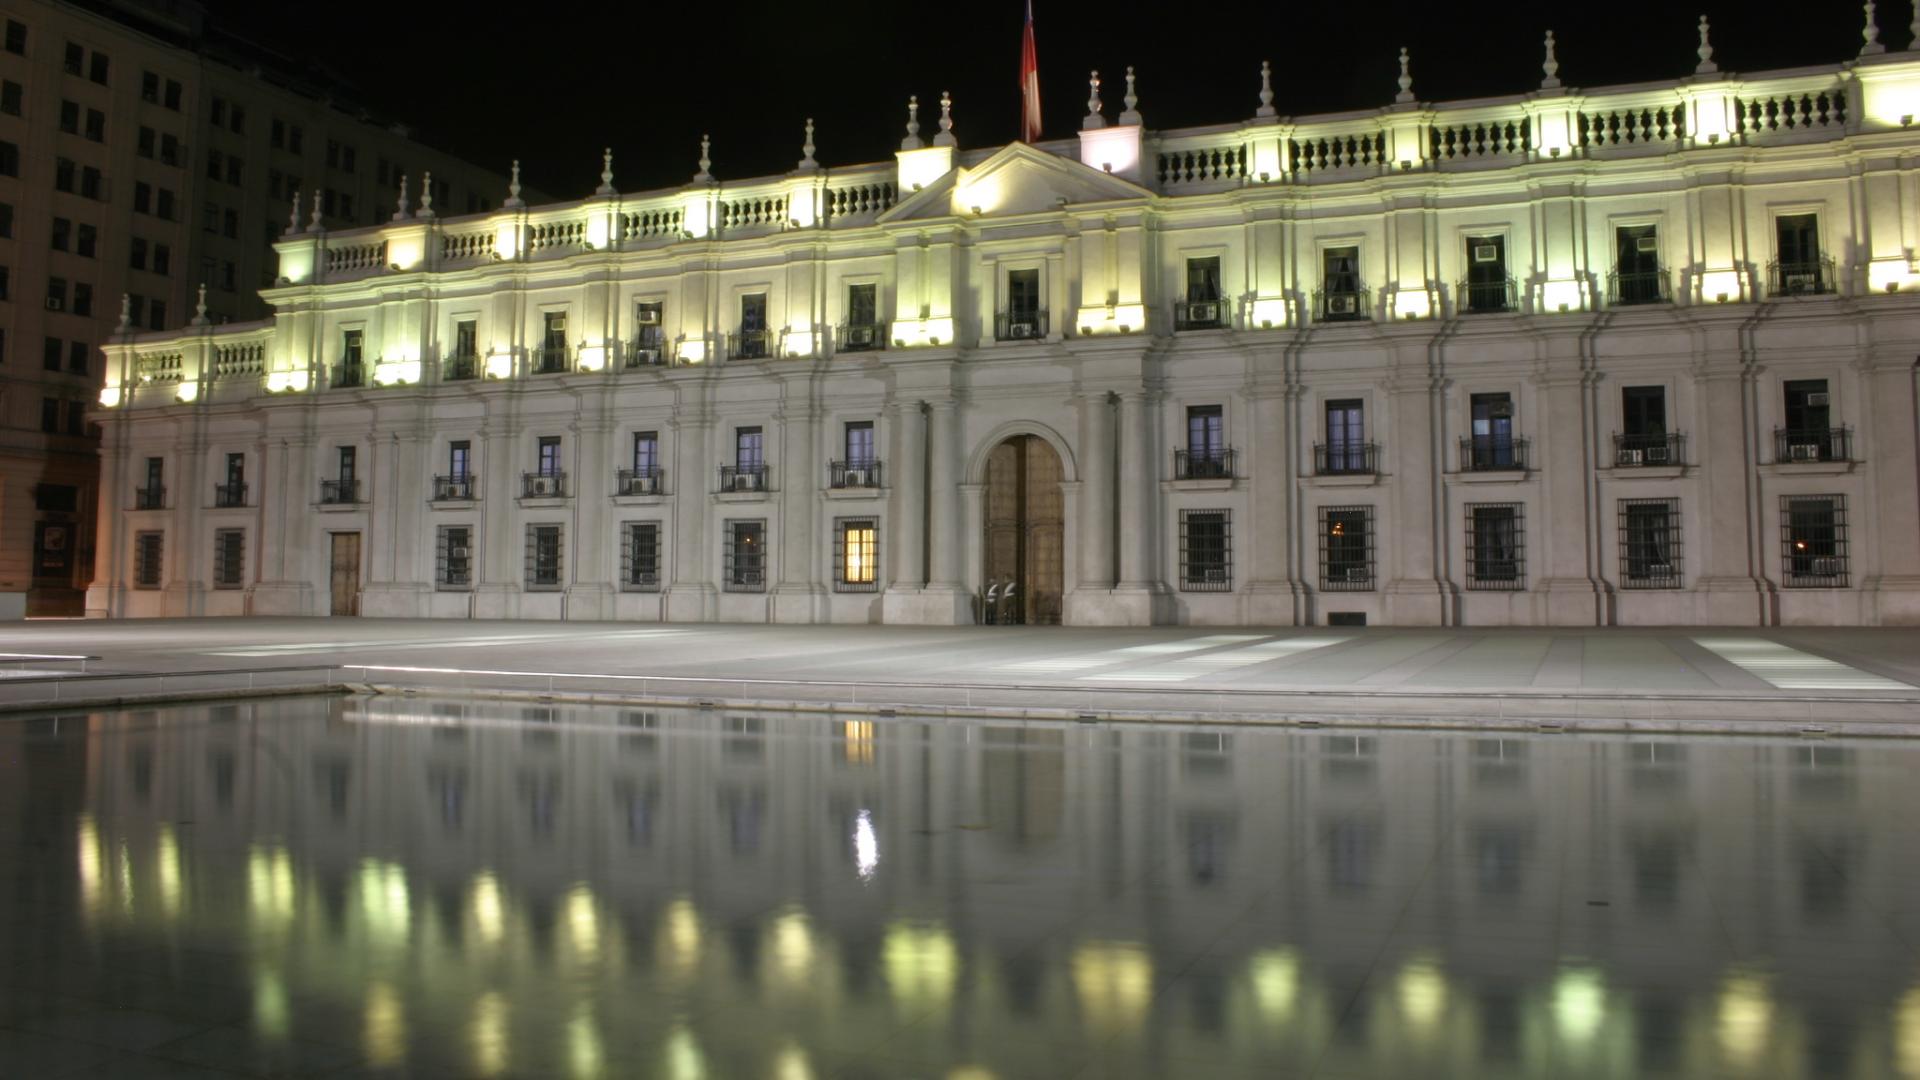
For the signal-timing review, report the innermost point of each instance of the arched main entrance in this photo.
(1025, 542)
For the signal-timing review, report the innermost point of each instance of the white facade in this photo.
(1640, 355)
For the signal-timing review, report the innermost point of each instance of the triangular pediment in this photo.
(1017, 179)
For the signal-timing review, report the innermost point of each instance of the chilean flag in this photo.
(1029, 84)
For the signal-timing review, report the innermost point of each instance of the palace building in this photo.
(1638, 355)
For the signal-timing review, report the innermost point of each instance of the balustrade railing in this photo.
(647, 481)
(1199, 314)
(652, 223)
(1202, 165)
(1792, 112)
(862, 337)
(1631, 126)
(150, 498)
(455, 487)
(1327, 153)
(1488, 297)
(244, 359)
(227, 496)
(750, 211)
(1809, 277)
(339, 492)
(1346, 459)
(1342, 305)
(1639, 449)
(752, 477)
(353, 257)
(1479, 139)
(1630, 287)
(860, 200)
(1492, 453)
(1205, 463)
(749, 345)
(467, 246)
(1803, 445)
(857, 473)
(1020, 326)
(567, 234)
(159, 367)
(547, 484)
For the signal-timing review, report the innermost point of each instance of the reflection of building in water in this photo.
(1514, 905)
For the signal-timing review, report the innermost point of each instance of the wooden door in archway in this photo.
(1025, 532)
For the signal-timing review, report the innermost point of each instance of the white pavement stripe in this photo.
(298, 648)
(1193, 667)
(1790, 669)
(1121, 656)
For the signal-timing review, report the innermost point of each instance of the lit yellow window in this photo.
(856, 567)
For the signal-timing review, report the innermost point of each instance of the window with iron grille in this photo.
(1346, 548)
(1650, 544)
(856, 555)
(1206, 550)
(229, 558)
(453, 558)
(1813, 541)
(1496, 547)
(543, 556)
(640, 557)
(146, 559)
(745, 557)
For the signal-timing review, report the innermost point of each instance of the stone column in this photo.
(691, 595)
(943, 499)
(112, 542)
(395, 547)
(799, 597)
(1563, 574)
(907, 545)
(1140, 595)
(286, 581)
(502, 541)
(185, 543)
(1887, 444)
(1417, 594)
(1273, 596)
(1730, 588)
(1097, 526)
(589, 579)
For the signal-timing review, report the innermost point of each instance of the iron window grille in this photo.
(1813, 541)
(544, 553)
(1805, 276)
(147, 548)
(1346, 459)
(745, 557)
(638, 481)
(453, 558)
(1020, 325)
(640, 557)
(1628, 287)
(339, 492)
(1496, 547)
(1203, 463)
(752, 477)
(226, 496)
(456, 487)
(1488, 297)
(229, 558)
(543, 485)
(1493, 453)
(1650, 544)
(151, 497)
(1792, 446)
(1346, 548)
(856, 555)
(1206, 550)
(854, 473)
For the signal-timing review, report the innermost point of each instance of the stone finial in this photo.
(1093, 119)
(426, 195)
(1872, 33)
(293, 215)
(514, 201)
(912, 141)
(1131, 114)
(807, 148)
(1551, 66)
(1406, 78)
(400, 207)
(1266, 90)
(126, 312)
(945, 138)
(313, 222)
(606, 174)
(200, 307)
(705, 175)
(1706, 66)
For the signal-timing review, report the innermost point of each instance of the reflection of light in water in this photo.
(1579, 1003)
(489, 915)
(87, 846)
(489, 1032)
(126, 878)
(921, 964)
(792, 947)
(1275, 974)
(383, 899)
(1115, 982)
(1906, 1034)
(684, 1060)
(1745, 1013)
(168, 870)
(1423, 992)
(386, 1026)
(270, 1011)
(583, 923)
(866, 846)
(858, 735)
(970, 1072)
(270, 884)
(680, 936)
(583, 1045)
(791, 1064)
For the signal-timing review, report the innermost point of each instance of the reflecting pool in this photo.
(457, 889)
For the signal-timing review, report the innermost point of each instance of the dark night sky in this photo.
(554, 81)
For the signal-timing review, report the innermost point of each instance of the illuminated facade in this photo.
(1636, 355)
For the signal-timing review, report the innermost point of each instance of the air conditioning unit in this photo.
(1659, 570)
(457, 553)
(860, 335)
(1656, 455)
(1486, 253)
(1358, 575)
(1020, 330)
(1819, 401)
(642, 484)
(54, 303)
(1216, 574)
(459, 489)
(1825, 567)
(1797, 282)
(1340, 305)
(648, 317)
(1646, 245)
(1632, 457)
(1203, 312)
(644, 355)
(1803, 452)
(746, 481)
(645, 581)
(855, 478)
(544, 485)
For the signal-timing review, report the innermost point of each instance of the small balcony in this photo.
(1341, 305)
(1488, 297)
(638, 482)
(543, 485)
(348, 376)
(461, 488)
(1630, 287)
(549, 360)
(339, 492)
(863, 337)
(1020, 326)
(460, 368)
(743, 478)
(646, 352)
(862, 473)
(750, 345)
(1634, 451)
(1488, 453)
(1792, 447)
(1812, 278)
(227, 496)
(1346, 459)
(150, 498)
(1199, 315)
(1206, 463)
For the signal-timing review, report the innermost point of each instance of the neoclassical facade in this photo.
(1639, 355)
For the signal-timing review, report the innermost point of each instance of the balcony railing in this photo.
(549, 360)
(1020, 326)
(1630, 287)
(743, 477)
(1206, 463)
(646, 352)
(1801, 278)
(150, 498)
(1487, 453)
(1632, 451)
(229, 495)
(339, 492)
(1199, 315)
(459, 368)
(459, 488)
(861, 473)
(638, 482)
(1488, 297)
(1341, 305)
(543, 485)
(1815, 444)
(750, 345)
(346, 376)
(1346, 459)
(863, 337)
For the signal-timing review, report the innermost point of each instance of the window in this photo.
(1636, 268)
(1206, 553)
(856, 552)
(210, 217)
(459, 459)
(78, 353)
(1341, 295)
(228, 274)
(12, 95)
(16, 37)
(1492, 444)
(229, 558)
(753, 326)
(1495, 551)
(77, 418)
(640, 557)
(646, 453)
(76, 58)
(1024, 318)
(162, 259)
(1347, 449)
(97, 70)
(745, 557)
(142, 197)
(219, 111)
(1801, 268)
(548, 462)
(6, 283)
(96, 125)
(1485, 289)
(747, 448)
(6, 220)
(235, 170)
(137, 253)
(553, 343)
(169, 149)
(50, 415)
(1809, 434)
(1643, 422)
(70, 117)
(1201, 309)
(61, 236)
(157, 315)
(82, 298)
(1813, 541)
(863, 307)
(63, 175)
(50, 354)
(9, 158)
(1346, 548)
(277, 134)
(350, 358)
(649, 333)
(234, 491)
(173, 95)
(1650, 544)
(859, 439)
(146, 559)
(214, 161)
(86, 238)
(150, 87)
(453, 558)
(296, 138)
(1205, 456)
(163, 205)
(56, 294)
(543, 557)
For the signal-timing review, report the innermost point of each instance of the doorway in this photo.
(344, 581)
(1025, 547)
